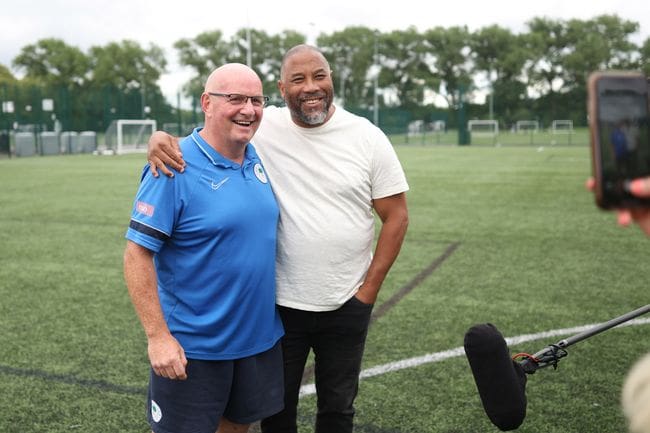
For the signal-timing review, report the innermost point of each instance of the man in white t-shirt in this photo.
(329, 170)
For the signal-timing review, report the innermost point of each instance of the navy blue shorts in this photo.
(241, 390)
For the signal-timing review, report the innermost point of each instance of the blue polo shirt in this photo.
(213, 232)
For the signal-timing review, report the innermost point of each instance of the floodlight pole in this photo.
(179, 114)
(376, 83)
(312, 37)
(491, 104)
(249, 44)
(491, 100)
(249, 48)
(143, 96)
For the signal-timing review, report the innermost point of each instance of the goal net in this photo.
(488, 128)
(438, 125)
(562, 126)
(129, 135)
(416, 128)
(527, 126)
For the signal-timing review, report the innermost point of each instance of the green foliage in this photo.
(210, 50)
(203, 54)
(410, 75)
(5, 75)
(53, 62)
(126, 65)
(534, 254)
(498, 53)
(645, 57)
(350, 53)
(449, 62)
(542, 69)
(88, 90)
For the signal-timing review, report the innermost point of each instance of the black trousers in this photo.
(337, 338)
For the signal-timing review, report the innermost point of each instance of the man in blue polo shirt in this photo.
(200, 269)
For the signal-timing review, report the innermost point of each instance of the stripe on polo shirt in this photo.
(149, 231)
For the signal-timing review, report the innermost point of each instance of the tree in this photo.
(54, 63)
(124, 82)
(541, 70)
(266, 54)
(448, 60)
(52, 70)
(209, 50)
(5, 75)
(499, 55)
(644, 62)
(126, 65)
(8, 86)
(350, 54)
(600, 43)
(274, 51)
(203, 54)
(564, 53)
(547, 43)
(404, 70)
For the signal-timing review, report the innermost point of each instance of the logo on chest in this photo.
(216, 186)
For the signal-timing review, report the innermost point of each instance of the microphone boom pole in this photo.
(553, 353)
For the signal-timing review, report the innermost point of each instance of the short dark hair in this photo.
(299, 49)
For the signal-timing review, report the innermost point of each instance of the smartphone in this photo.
(620, 147)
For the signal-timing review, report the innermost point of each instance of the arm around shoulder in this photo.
(163, 150)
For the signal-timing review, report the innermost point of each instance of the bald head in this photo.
(233, 106)
(230, 75)
(299, 50)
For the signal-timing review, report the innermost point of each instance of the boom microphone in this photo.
(501, 382)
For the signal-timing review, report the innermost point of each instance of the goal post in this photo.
(415, 128)
(562, 127)
(438, 125)
(129, 135)
(488, 128)
(527, 126)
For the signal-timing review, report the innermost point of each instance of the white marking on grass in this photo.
(310, 389)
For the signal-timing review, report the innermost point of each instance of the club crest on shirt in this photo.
(259, 173)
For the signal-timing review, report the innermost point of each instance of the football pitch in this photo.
(506, 235)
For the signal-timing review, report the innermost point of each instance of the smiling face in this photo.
(228, 122)
(306, 86)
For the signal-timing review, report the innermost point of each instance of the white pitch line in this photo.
(310, 389)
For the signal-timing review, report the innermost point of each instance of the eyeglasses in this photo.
(237, 99)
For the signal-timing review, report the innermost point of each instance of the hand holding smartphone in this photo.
(620, 136)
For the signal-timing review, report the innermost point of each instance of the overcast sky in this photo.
(84, 23)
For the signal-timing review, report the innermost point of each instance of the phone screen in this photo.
(623, 136)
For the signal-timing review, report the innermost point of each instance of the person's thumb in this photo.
(640, 187)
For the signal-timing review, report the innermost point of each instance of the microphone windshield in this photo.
(501, 382)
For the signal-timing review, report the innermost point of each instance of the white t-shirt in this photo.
(324, 179)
